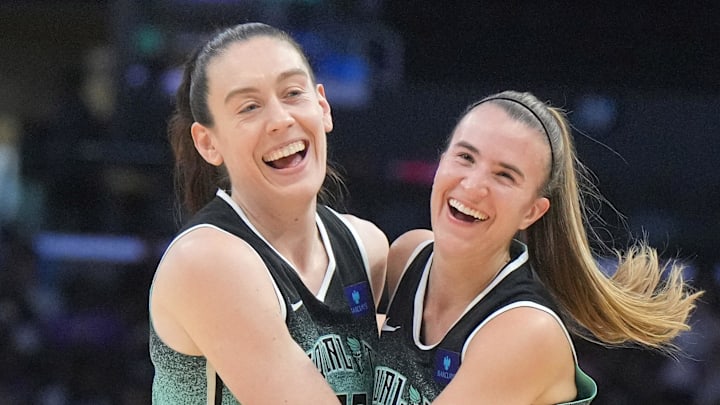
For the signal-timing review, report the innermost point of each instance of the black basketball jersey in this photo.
(410, 372)
(337, 329)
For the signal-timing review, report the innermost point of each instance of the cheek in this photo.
(321, 145)
(446, 178)
(442, 172)
(436, 204)
(438, 182)
(434, 197)
(437, 192)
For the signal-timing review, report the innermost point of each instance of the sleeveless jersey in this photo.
(337, 329)
(410, 372)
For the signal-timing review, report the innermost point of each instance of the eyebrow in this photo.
(282, 76)
(476, 151)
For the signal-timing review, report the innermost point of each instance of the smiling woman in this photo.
(274, 105)
(262, 274)
(478, 304)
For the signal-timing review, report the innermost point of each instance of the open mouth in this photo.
(463, 213)
(286, 157)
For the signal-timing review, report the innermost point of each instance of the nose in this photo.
(476, 183)
(278, 116)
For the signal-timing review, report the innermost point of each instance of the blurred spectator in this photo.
(10, 184)
(22, 345)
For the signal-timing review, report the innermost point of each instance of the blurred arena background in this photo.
(86, 199)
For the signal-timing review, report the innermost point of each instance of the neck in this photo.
(453, 284)
(291, 230)
(455, 281)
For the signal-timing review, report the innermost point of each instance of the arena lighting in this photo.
(419, 172)
(51, 246)
(345, 75)
(595, 113)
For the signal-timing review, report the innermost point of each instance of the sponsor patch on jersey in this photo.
(359, 298)
(446, 365)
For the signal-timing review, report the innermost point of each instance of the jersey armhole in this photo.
(278, 294)
(410, 259)
(519, 304)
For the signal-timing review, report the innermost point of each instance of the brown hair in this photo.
(196, 180)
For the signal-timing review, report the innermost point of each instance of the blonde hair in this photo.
(644, 302)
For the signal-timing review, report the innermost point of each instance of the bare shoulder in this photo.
(216, 294)
(377, 246)
(521, 355)
(400, 250)
(205, 264)
(374, 240)
(406, 243)
(530, 328)
(368, 231)
(206, 252)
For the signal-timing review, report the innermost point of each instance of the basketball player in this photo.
(477, 307)
(266, 296)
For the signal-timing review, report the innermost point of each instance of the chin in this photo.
(304, 190)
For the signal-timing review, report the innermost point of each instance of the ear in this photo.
(203, 141)
(327, 116)
(538, 208)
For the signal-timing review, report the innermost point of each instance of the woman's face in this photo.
(270, 121)
(487, 183)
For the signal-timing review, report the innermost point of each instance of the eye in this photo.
(248, 108)
(506, 175)
(466, 157)
(293, 93)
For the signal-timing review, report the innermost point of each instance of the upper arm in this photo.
(376, 246)
(522, 356)
(219, 291)
(399, 254)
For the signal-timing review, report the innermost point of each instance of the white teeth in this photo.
(285, 151)
(467, 210)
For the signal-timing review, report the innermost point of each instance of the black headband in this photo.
(547, 134)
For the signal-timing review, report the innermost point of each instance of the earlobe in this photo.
(540, 206)
(204, 144)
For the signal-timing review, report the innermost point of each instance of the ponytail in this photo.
(195, 179)
(643, 302)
